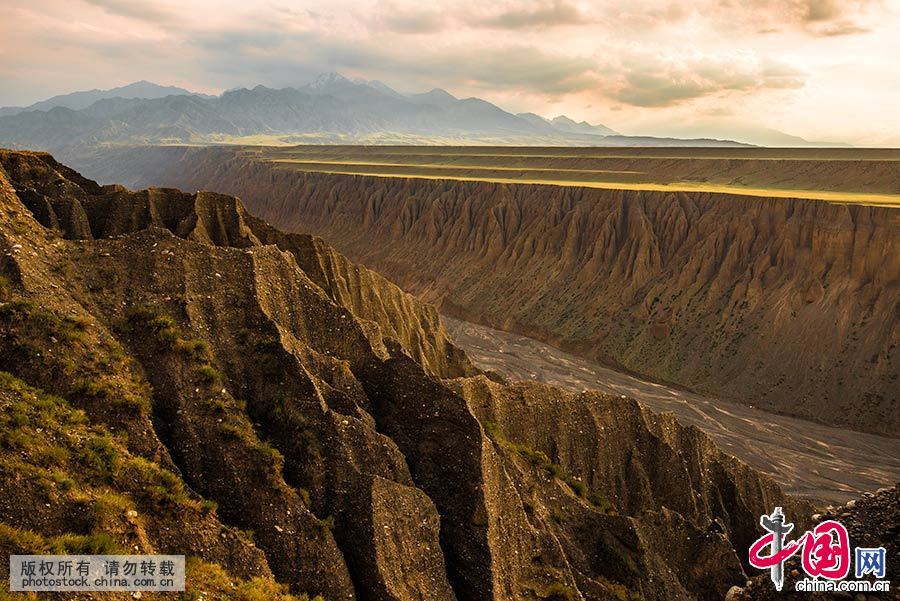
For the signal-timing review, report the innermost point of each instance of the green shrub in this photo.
(22, 542)
(267, 345)
(97, 543)
(559, 591)
(270, 456)
(78, 322)
(230, 431)
(99, 456)
(210, 581)
(106, 508)
(209, 374)
(600, 502)
(62, 481)
(51, 456)
(108, 390)
(15, 440)
(16, 309)
(326, 523)
(579, 487)
(194, 348)
(18, 415)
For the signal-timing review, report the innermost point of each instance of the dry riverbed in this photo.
(813, 460)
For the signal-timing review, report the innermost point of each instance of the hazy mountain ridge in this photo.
(83, 99)
(330, 109)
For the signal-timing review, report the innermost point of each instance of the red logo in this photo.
(826, 551)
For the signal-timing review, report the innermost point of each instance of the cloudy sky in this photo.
(821, 69)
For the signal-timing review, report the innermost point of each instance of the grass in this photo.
(209, 374)
(5, 286)
(65, 351)
(540, 460)
(55, 442)
(98, 543)
(167, 333)
(26, 542)
(559, 591)
(109, 389)
(270, 457)
(209, 581)
(326, 523)
(620, 591)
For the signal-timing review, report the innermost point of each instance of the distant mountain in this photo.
(81, 100)
(331, 109)
(436, 97)
(564, 123)
(750, 134)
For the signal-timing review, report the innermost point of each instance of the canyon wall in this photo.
(177, 377)
(786, 304)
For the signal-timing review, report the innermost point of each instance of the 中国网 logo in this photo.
(825, 554)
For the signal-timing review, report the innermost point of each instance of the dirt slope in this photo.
(206, 385)
(788, 305)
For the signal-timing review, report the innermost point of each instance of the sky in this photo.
(821, 69)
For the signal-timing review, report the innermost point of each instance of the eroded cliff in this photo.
(224, 390)
(789, 305)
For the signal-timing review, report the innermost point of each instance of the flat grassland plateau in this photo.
(868, 176)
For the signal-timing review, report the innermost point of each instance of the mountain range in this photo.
(331, 109)
(81, 100)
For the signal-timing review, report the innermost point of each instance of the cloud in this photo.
(534, 14)
(141, 10)
(814, 17)
(409, 19)
(538, 15)
(650, 81)
(289, 58)
(668, 58)
(811, 17)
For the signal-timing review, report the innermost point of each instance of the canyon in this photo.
(786, 304)
(177, 376)
(814, 461)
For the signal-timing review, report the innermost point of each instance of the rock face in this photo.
(190, 374)
(790, 305)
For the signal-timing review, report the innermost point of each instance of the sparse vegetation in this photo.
(209, 581)
(230, 431)
(4, 287)
(620, 591)
(92, 373)
(98, 543)
(167, 333)
(209, 374)
(108, 389)
(540, 460)
(77, 459)
(559, 591)
(270, 457)
(326, 523)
